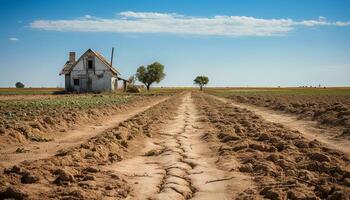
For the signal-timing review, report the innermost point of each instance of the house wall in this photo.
(114, 83)
(67, 81)
(100, 78)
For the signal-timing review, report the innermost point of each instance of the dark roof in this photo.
(67, 68)
(123, 79)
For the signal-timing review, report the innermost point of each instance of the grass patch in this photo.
(48, 108)
(30, 91)
(68, 101)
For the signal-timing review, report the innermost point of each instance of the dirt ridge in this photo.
(284, 163)
(78, 172)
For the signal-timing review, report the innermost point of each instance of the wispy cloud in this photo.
(13, 39)
(151, 22)
(148, 15)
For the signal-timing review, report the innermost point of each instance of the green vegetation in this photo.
(279, 91)
(19, 85)
(154, 73)
(10, 109)
(67, 101)
(172, 90)
(133, 89)
(51, 110)
(165, 91)
(30, 91)
(201, 81)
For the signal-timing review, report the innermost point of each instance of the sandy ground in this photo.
(180, 165)
(74, 137)
(309, 129)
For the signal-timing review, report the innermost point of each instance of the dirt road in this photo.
(178, 164)
(309, 129)
(74, 137)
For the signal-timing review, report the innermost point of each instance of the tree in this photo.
(19, 85)
(153, 73)
(201, 81)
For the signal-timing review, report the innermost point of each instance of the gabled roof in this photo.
(68, 67)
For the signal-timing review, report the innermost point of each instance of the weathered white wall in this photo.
(102, 79)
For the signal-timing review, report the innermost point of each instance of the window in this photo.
(76, 82)
(90, 64)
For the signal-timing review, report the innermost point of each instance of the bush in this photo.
(19, 85)
(133, 89)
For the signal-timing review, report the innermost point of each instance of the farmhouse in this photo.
(90, 73)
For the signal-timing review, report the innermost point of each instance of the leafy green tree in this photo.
(19, 85)
(150, 74)
(201, 81)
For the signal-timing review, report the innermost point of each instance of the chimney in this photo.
(112, 56)
(72, 57)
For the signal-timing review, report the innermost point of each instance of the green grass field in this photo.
(46, 91)
(278, 91)
(67, 101)
(80, 101)
(29, 91)
(217, 91)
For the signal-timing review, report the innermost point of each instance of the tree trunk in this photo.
(201, 87)
(148, 86)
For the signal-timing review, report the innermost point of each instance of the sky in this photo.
(233, 42)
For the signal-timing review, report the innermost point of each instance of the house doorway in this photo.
(89, 85)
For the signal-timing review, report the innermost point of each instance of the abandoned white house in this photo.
(90, 73)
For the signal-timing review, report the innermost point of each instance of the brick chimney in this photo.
(72, 57)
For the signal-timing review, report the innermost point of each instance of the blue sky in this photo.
(235, 43)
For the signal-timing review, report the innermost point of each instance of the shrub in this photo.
(133, 89)
(19, 85)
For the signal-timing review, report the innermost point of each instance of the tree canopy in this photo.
(19, 85)
(153, 73)
(201, 81)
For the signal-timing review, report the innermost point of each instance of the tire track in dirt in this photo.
(178, 164)
(307, 128)
(68, 139)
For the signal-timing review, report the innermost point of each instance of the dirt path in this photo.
(308, 128)
(35, 150)
(179, 164)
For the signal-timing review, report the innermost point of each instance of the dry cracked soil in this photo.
(189, 146)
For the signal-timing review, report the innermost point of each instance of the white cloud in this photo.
(151, 22)
(342, 23)
(13, 39)
(148, 15)
(320, 22)
(87, 16)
